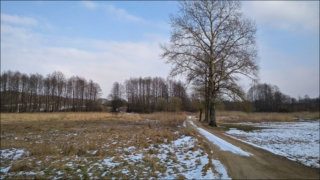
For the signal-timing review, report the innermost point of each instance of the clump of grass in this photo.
(175, 169)
(198, 162)
(39, 177)
(69, 150)
(175, 160)
(153, 151)
(154, 166)
(146, 158)
(82, 152)
(40, 149)
(181, 176)
(92, 146)
(117, 158)
(20, 166)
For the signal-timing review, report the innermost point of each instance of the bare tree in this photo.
(216, 35)
(116, 95)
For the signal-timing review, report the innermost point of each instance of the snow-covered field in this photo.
(168, 161)
(298, 141)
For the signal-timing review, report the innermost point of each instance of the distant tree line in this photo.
(146, 95)
(259, 98)
(269, 98)
(33, 93)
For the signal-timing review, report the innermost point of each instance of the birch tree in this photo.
(214, 34)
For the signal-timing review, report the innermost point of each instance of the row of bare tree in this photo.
(150, 94)
(30, 93)
(269, 98)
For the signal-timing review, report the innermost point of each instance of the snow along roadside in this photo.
(222, 144)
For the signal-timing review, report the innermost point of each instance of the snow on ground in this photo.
(222, 144)
(180, 157)
(298, 141)
(190, 163)
(9, 156)
(192, 124)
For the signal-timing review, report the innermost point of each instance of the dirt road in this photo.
(262, 165)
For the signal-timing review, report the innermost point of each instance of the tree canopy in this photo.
(213, 43)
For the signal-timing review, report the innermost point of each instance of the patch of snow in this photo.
(108, 162)
(298, 141)
(184, 124)
(190, 163)
(192, 124)
(129, 148)
(4, 170)
(11, 154)
(59, 173)
(222, 144)
(94, 152)
(69, 164)
(220, 169)
(181, 141)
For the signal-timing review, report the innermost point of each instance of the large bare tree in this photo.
(213, 39)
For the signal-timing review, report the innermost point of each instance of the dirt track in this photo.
(262, 165)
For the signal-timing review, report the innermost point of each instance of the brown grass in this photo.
(181, 176)
(18, 166)
(57, 138)
(237, 116)
(66, 116)
(43, 149)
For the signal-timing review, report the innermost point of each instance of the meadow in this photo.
(106, 145)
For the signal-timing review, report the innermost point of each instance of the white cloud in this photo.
(121, 13)
(295, 81)
(285, 15)
(89, 4)
(14, 19)
(117, 12)
(102, 61)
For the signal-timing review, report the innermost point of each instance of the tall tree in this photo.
(214, 34)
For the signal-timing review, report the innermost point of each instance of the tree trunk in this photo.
(212, 115)
(212, 121)
(200, 114)
(206, 110)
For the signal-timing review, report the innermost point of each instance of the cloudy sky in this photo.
(113, 41)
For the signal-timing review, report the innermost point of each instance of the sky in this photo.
(110, 41)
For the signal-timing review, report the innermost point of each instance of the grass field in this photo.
(106, 145)
(237, 116)
(96, 145)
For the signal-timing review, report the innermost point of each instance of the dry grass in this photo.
(42, 149)
(18, 166)
(55, 139)
(237, 116)
(66, 116)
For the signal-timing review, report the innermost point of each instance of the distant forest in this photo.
(145, 95)
(54, 92)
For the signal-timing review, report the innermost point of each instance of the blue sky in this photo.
(113, 41)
